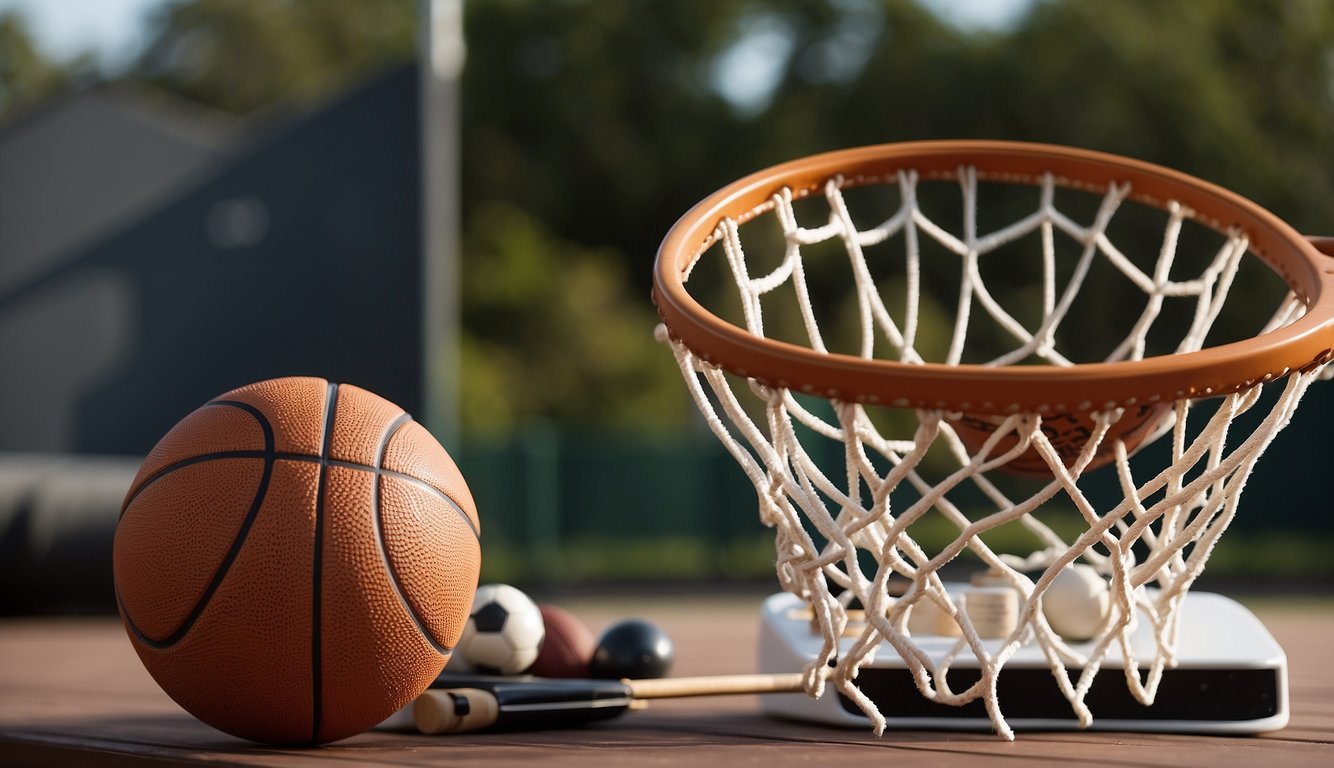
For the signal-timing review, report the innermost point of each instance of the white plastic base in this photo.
(1231, 677)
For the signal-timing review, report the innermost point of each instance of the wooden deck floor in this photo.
(72, 692)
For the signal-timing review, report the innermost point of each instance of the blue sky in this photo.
(65, 28)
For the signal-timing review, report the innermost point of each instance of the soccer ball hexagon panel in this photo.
(504, 632)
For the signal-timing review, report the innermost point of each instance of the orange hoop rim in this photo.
(1301, 345)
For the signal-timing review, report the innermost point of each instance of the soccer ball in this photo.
(504, 632)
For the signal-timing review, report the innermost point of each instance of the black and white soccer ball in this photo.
(504, 632)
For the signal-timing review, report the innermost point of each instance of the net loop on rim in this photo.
(858, 500)
(1300, 343)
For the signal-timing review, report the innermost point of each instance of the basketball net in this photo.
(839, 537)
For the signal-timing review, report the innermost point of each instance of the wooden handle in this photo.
(719, 685)
(454, 710)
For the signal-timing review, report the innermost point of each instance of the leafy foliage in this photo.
(27, 77)
(552, 333)
(246, 55)
(588, 127)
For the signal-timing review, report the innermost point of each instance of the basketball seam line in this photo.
(377, 522)
(317, 569)
(232, 552)
(417, 481)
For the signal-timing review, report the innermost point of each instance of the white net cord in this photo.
(838, 537)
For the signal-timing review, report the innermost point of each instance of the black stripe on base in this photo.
(226, 564)
(377, 520)
(316, 641)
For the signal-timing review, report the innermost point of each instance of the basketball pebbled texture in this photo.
(295, 561)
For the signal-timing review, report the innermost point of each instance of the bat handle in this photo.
(714, 685)
(454, 710)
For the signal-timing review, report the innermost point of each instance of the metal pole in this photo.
(441, 54)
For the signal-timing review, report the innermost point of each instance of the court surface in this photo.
(72, 692)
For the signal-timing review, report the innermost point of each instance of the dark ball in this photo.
(633, 649)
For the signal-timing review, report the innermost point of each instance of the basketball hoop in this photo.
(925, 435)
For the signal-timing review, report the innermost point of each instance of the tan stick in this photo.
(713, 685)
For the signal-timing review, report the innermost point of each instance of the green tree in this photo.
(592, 126)
(552, 333)
(589, 127)
(1239, 92)
(599, 116)
(246, 55)
(26, 76)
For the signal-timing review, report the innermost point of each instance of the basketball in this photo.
(1068, 434)
(295, 561)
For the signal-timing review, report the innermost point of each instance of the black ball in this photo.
(633, 649)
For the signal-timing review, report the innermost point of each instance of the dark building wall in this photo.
(80, 168)
(300, 258)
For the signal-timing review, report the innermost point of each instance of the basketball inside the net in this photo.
(1068, 434)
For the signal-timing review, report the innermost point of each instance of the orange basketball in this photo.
(295, 561)
(1068, 433)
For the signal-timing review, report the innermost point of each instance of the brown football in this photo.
(568, 647)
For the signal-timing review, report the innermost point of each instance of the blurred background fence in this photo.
(569, 509)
